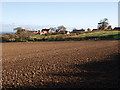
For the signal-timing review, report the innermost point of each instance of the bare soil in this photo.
(72, 64)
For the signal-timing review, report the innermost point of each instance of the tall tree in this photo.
(62, 28)
(19, 30)
(109, 27)
(53, 29)
(22, 35)
(103, 24)
(88, 29)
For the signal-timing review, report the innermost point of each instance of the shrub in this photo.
(5, 38)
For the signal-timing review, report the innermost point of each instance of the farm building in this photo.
(35, 32)
(94, 29)
(78, 31)
(45, 31)
(117, 28)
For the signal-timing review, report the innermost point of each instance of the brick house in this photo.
(45, 31)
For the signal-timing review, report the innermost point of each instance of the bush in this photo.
(5, 38)
(13, 38)
(60, 38)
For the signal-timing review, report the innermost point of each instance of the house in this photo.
(41, 33)
(46, 30)
(35, 32)
(117, 28)
(32, 32)
(67, 32)
(94, 29)
(78, 31)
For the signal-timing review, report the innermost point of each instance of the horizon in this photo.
(38, 15)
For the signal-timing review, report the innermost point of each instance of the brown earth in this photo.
(71, 64)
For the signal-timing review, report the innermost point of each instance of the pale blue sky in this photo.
(37, 15)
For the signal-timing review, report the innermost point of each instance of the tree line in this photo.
(20, 34)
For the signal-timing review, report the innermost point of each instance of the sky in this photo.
(38, 15)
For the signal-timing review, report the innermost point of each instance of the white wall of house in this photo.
(68, 32)
(50, 31)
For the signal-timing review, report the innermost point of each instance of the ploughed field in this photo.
(60, 64)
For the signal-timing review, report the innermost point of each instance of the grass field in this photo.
(115, 34)
(101, 33)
